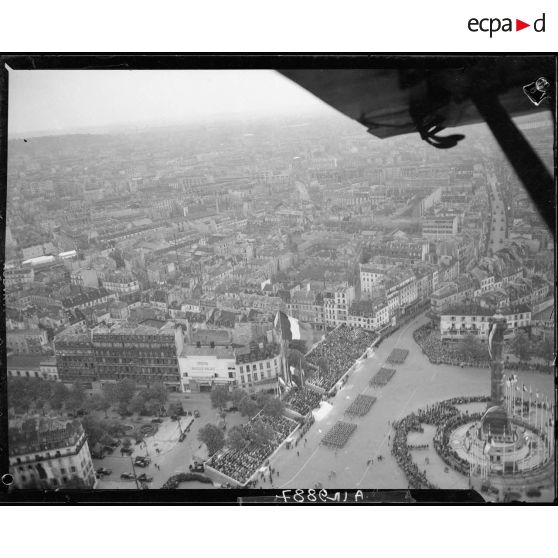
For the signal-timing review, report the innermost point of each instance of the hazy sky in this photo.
(70, 100)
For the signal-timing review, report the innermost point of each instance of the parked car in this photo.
(127, 451)
(102, 472)
(197, 467)
(157, 420)
(127, 476)
(142, 461)
(196, 413)
(174, 417)
(145, 478)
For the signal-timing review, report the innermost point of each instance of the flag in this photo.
(537, 395)
(287, 326)
(516, 388)
(281, 381)
(490, 336)
(487, 447)
(524, 387)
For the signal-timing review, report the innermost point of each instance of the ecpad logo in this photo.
(494, 24)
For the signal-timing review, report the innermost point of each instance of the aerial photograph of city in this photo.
(218, 280)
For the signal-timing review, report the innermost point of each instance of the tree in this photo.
(274, 407)
(236, 438)
(125, 390)
(93, 429)
(260, 434)
(521, 347)
(76, 399)
(212, 437)
(126, 443)
(261, 398)
(219, 396)
(158, 392)
(545, 349)
(237, 396)
(59, 396)
(98, 402)
(248, 407)
(136, 405)
(471, 348)
(109, 390)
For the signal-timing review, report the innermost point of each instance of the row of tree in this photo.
(247, 405)
(525, 348)
(37, 395)
(41, 396)
(522, 346)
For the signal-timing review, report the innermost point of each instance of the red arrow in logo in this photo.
(519, 25)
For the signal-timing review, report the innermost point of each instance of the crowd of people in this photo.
(341, 348)
(382, 377)
(361, 405)
(302, 401)
(241, 464)
(418, 446)
(400, 451)
(446, 417)
(439, 352)
(338, 436)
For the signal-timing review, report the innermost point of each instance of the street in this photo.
(174, 456)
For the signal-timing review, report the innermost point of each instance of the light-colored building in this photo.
(32, 366)
(458, 322)
(26, 341)
(439, 226)
(49, 453)
(258, 368)
(203, 367)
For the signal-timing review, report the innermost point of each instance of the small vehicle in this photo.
(232, 409)
(197, 467)
(127, 451)
(182, 437)
(102, 472)
(127, 476)
(174, 417)
(142, 461)
(157, 420)
(145, 478)
(196, 413)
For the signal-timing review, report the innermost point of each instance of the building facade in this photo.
(48, 453)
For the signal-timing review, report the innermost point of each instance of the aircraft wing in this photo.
(395, 101)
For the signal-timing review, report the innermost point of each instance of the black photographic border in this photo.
(210, 61)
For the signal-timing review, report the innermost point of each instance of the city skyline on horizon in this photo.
(57, 102)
